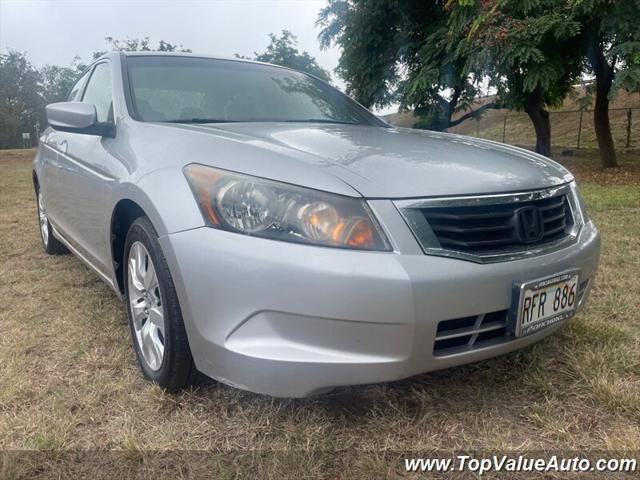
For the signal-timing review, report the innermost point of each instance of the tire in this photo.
(51, 244)
(160, 344)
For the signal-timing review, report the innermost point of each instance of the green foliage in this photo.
(370, 34)
(25, 90)
(525, 48)
(283, 50)
(411, 52)
(432, 56)
(138, 45)
(56, 81)
(21, 101)
(612, 27)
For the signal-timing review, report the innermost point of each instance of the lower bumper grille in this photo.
(463, 334)
(582, 290)
(469, 333)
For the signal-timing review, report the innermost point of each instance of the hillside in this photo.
(564, 123)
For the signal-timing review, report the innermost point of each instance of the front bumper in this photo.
(291, 320)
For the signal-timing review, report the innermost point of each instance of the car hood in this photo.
(381, 162)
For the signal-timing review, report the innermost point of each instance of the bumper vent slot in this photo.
(463, 334)
(482, 229)
(582, 290)
(469, 333)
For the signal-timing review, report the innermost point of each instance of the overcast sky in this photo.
(54, 31)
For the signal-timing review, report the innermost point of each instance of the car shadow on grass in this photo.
(469, 387)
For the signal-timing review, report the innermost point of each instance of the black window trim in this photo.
(111, 115)
(86, 71)
(128, 89)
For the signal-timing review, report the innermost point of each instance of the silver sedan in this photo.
(265, 230)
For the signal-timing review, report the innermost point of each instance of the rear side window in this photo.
(98, 91)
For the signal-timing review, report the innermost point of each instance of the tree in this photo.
(398, 52)
(411, 52)
(612, 42)
(138, 45)
(21, 103)
(369, 42)
(531, 53)
(431, 56)
(283, 50)
(25, 90)
(56, 81)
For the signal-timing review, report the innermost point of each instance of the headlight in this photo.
(265, 208)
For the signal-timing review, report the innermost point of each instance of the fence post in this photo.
(504, 129)
(477, 127)
(579, 128)
(629, 127)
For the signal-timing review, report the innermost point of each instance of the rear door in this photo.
(81, 178)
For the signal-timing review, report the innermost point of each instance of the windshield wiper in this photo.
(200, 120)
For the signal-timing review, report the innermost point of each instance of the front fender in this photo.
(166, 198)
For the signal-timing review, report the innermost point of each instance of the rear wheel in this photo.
(155, 319)
(51, 244)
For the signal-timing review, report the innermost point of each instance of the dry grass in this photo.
(70, 390)
(564, 124)
(564, 128)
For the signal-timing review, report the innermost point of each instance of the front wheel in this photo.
(155, 319)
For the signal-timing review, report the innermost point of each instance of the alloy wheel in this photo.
(145, 303)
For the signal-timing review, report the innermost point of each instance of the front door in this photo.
(82, 182)
(54, 142)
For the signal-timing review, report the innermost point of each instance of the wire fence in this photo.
(569, 129)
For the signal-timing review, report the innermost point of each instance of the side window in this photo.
(77, 88)
(98, 91)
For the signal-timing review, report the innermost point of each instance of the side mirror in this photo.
(78, 117)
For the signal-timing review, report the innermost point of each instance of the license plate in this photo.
(544, 302)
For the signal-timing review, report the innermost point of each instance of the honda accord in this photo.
(267, 231)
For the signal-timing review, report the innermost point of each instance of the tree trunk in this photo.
(604, 78)
(450, 106)
(540, 119)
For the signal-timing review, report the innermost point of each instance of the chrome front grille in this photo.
(487, 228)
(498, 227)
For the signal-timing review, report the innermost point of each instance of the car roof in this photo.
(187, 54)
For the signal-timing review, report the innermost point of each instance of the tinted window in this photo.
(77, 87)
(197, 89)
(98, 91)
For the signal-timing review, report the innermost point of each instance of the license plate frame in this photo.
(515, 324)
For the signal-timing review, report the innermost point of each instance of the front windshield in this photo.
(201, 90)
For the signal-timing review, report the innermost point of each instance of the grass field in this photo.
(71, 392)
